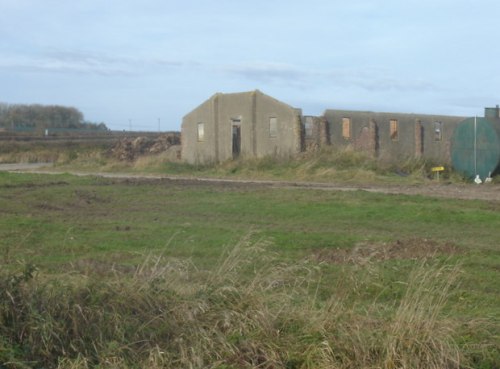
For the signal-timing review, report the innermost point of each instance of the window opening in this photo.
(273, 127)
(201, 131)
(308, 127)
(346, 128)
(438, 131)
(394, 129)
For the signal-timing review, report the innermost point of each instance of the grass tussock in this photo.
(251, 310)
(323, 165)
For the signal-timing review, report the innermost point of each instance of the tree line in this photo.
(35, 117)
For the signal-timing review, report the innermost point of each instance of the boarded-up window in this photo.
(394, 129)
(273, 127)
(438, 131)
(346, 127)
(201, 131)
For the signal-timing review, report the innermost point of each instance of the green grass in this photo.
(55, 210)
(81, 231)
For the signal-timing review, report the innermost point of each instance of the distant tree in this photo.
(102, 127)
(42, 116)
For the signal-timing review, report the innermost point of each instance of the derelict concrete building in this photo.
(393, 137)
(247, 124)
(253, 124)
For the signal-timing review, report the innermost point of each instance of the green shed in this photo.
(475, 147)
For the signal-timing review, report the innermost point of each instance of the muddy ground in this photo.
(364, 253)
(488, 192)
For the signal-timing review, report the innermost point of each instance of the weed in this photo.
(249, 311)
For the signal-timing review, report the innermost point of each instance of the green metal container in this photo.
(492, 113)
(475, 147)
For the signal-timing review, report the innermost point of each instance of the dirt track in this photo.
(489, 192)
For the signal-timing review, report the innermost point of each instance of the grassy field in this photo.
(115, 273)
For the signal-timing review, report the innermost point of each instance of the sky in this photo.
(144, 64)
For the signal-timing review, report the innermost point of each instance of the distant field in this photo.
(356, 249)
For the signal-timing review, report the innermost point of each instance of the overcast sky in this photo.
(146, 63)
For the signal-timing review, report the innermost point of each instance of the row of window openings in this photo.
(393, 129)
(273, 129)
(346, 129)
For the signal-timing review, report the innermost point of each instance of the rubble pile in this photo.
(129, 149)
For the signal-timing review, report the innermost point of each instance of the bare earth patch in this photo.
(414, 249)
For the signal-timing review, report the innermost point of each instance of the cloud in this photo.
(80, 62)
(390, 83)
(369, 79)
(269, 73)
(73, 63)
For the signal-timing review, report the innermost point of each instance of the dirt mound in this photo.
(416, 248)
(129, 149)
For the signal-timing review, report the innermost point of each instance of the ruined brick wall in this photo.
(314, 133)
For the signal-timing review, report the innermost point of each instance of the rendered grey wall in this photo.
(254, 110)
(288, 136)
(193, 151)
(234, 106)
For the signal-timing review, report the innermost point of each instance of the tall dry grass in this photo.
(252, 310)
(329, 164)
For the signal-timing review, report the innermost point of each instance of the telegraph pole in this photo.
(475, 145)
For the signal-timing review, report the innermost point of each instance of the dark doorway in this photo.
(236, 140)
